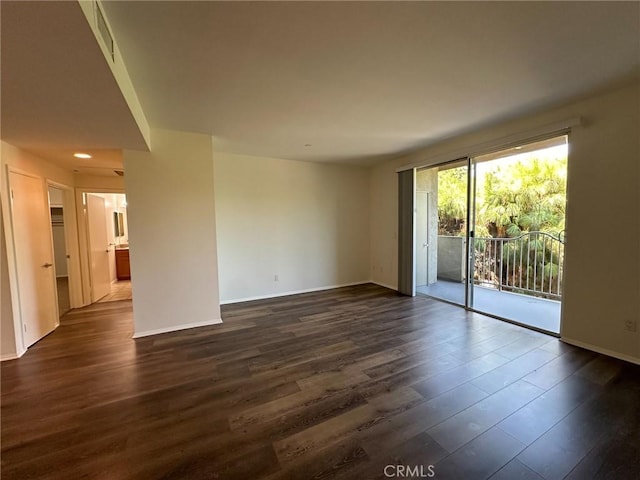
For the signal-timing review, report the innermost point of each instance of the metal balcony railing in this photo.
(530, 264)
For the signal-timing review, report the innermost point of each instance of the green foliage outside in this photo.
(452, 201)
(513, 197)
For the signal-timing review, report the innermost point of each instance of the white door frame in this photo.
(83, 237)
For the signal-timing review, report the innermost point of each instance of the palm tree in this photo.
(518, 200)
(515, 199)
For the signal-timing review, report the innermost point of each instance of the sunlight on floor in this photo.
(120, 290)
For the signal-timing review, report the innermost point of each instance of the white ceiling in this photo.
(103, 162)
(58, 94)
(359, 81)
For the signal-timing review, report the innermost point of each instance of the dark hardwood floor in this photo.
(329, 385)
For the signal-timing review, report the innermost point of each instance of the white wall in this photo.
(118, 69)
(17, 158)
(99, 183)
(307, 223)
(23, 160)
(172, 233)
(602, 286)
(7, 333)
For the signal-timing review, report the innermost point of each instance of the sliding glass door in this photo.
(517, 253)
(489, 232)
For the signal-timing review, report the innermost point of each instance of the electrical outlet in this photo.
(630, 325)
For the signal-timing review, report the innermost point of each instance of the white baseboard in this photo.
(390, 287)
(176, 328)
(604, 351)
(11, 356)
(293, 292)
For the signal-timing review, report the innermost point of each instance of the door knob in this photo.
(48, 265)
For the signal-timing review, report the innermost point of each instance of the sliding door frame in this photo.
(469, 234)
(470, 226)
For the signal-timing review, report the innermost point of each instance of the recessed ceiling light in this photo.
(82, 155)
(518, 148)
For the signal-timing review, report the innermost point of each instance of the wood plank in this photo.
(329, 385)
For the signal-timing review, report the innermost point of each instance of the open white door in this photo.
(98, 247)
(34, 257)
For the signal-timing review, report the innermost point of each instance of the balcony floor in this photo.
(530, 311)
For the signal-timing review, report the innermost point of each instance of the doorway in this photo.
(500, 239)
(60, 251)
(105, 220)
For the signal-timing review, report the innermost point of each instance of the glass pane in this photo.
(518, 246)
(441, 216)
